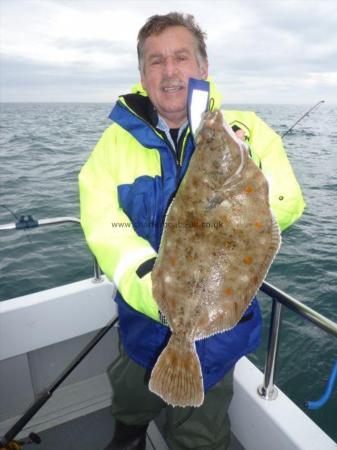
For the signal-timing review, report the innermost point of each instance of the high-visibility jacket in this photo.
(126, 187)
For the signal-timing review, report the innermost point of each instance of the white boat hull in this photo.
(41, 333)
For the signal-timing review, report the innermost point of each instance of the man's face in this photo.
(169, 60)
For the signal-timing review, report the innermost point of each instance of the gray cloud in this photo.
(97, 45)
(257, 50)
(283, 36)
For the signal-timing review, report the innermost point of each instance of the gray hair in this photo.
(158, 23)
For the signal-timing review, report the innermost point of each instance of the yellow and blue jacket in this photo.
(126, 187)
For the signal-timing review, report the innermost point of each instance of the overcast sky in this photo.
(85, 51)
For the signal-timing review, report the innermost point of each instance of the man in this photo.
(125, 188)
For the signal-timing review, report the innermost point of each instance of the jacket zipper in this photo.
(181, 159)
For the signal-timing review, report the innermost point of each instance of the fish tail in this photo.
(177, 377)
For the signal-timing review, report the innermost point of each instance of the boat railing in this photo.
(267, 389)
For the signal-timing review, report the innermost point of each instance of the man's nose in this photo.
(170, 67)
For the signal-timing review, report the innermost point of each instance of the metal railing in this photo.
(267, 390)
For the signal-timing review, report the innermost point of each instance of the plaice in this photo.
(218, 243)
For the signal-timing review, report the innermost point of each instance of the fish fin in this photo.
(177, 377)
(275, 236)
(270, 254)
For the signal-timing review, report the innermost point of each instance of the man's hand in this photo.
(241, 134)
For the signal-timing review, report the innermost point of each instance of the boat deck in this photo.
(90, 432)
(93, 432)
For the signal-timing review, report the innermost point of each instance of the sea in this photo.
(42, 149)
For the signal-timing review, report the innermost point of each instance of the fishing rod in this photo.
(8, 442)
(304, 115)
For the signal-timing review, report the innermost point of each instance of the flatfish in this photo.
(219, 240)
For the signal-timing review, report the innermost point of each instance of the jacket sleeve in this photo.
(108, 230)
(285, 195)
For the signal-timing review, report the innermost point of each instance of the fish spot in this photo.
(258, 225)
(247, 259)
(173, 261)
(225, 204)
(195, 181)
(229, 244)
(244, 278)
(249, 189)
(255, 279)
(229, 291)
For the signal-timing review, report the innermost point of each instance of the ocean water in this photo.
(42, 148)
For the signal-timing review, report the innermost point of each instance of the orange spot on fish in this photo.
(258, 225)
(229, 291)
(173, 261)
(249, 189)
(247, 259)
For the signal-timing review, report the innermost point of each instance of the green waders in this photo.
(203, 428)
